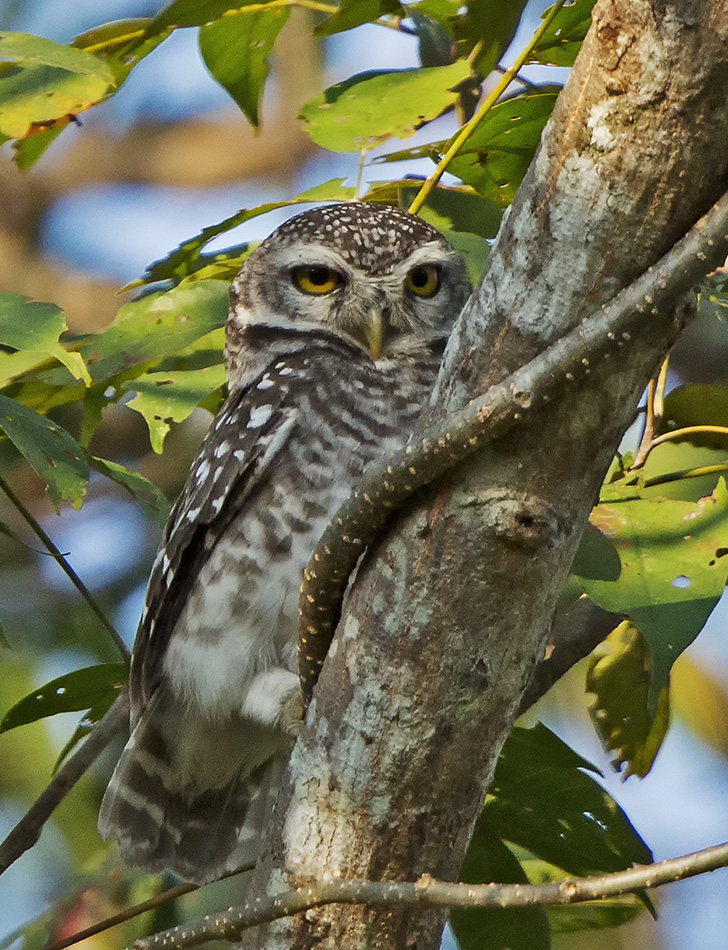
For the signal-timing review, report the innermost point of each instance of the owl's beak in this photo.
(374, 332)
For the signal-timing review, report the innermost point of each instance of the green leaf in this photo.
(183, 260)
(372, 107)
(152, 499)
(562, 40)
(543, 801)
(23, 47)
(50, 450)
(236, 50)
(493, 24)
(589, 915)
(618, 676)
(81, 689)
(155, 326)
(35, 98)
(353, 13)
(594, 915)
(163, 398)
(436, 46)
(698, 404)
(26, 324)
(527, 928)
(473, 248)
(496, 156)
(672, 569)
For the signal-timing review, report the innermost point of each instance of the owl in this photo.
(336, 330)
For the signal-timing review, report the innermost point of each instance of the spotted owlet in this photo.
(336, 331)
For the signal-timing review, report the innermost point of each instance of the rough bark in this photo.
(450, 615)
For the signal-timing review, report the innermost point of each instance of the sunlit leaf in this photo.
(27, 324)
(496, 156)
(353, 13)
(164, 398)
(50, 450)
(153, 501)
(472, 247)
(155, 326)
(562, 40)
(34, 98)
(526, 928)
(236, 51)
(618, 677)
(542, 800)
(182, 261)
(81, 689)
(372, 107)
(673, 568)
(23, 47)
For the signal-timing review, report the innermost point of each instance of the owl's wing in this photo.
(249, 431)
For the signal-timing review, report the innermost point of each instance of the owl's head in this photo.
(373, 274)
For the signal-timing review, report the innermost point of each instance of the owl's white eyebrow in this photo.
(313, 255)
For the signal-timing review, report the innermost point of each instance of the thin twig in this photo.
(27, 831)
(427, 892)
(358, 521)
(130, 912)
(467, 130)
(60, 558)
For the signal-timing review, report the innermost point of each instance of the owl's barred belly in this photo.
(234, 648)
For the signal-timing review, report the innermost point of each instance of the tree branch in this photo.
(504, 405)
(427, 892)
(25, 834)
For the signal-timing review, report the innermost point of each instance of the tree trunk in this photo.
(449, 615)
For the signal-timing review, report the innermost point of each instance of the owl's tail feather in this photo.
(162, 821)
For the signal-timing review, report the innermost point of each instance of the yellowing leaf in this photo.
(618, 676)
(33, 98)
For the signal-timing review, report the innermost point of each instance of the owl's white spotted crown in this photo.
(368, 236)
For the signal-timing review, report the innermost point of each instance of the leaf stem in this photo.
(60, 558)
(687, 431)
(467, 130)
(118, 41)
(685, 473)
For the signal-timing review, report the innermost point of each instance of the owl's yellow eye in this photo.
(316, 279)
(423, 281)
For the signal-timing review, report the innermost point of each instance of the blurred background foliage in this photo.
(167, 156)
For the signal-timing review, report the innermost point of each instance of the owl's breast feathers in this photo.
(213, 679)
